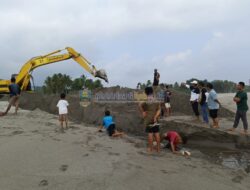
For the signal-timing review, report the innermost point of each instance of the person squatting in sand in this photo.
(151, 111)
(240, 99)
(15, 92)
(109, 125)
(63, 111)
(174, 139)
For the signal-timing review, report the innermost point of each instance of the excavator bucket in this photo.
(102, 75)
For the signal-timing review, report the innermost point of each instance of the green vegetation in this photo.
(221, 86)
(59, 83)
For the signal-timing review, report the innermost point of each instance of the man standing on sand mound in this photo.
(241, 101)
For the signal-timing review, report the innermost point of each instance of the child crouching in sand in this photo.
(109, 125)
(63, 111)
(174, 139)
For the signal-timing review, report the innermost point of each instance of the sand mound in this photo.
(126, 114)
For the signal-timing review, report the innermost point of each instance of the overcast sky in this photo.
(205, 39)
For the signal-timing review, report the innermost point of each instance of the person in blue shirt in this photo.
(15, 92)
(213, 105)
(109, 125)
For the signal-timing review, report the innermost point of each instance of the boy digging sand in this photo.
(109, 125)
(63, 111)
(174, 139)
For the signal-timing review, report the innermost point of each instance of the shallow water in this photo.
(228, 157)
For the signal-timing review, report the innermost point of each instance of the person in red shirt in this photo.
(174, 140)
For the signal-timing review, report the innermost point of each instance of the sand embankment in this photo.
(126, 114)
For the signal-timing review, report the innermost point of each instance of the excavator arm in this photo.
(23, 77)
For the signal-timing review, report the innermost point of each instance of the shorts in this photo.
(111, 130)
(14, 100)
(213, 113)
(63, 117)
(167, 105)
(155, 129)
(156, 83)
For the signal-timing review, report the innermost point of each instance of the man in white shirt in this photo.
(194, 97)
(63, 111)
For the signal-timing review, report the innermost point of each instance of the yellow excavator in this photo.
(24, 76)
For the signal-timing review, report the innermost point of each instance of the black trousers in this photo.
(195, 106)
(243, 116)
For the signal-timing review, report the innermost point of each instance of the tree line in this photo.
(221, 86)
(59, 83)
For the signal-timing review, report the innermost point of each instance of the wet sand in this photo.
(35, 155)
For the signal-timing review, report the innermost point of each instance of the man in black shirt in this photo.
(167, 95)
(203, 102)
(156, 78)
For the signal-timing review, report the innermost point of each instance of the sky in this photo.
(183, 39)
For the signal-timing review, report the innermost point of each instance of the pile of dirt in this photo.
(128, 118)
(126, 114)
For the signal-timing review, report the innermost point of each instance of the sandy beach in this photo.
(35, 155)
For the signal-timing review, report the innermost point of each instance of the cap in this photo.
(194, 82)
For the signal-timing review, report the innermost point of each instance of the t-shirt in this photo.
(14, 89)
(242, 104)
(151, 108)
(211, 103)
(156, 79)
(167, 95)
(63, 106)
(203, 96)
(195, 93)
(107, 121)
(172, 137)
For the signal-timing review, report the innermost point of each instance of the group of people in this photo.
(151, 110)
(207, 97)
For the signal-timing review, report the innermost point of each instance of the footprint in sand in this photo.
(164, 171)
(86, 155)
(16, 132)
(74, 127)
(64, 168)
(114, 154)
(44, 183)
(237, 179)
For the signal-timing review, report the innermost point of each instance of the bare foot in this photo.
(2, 114)
(244, 132)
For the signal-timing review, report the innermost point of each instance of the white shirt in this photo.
(194, 95)
(207, 94)
(63, 106)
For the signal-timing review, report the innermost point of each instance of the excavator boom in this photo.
(23, 77)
